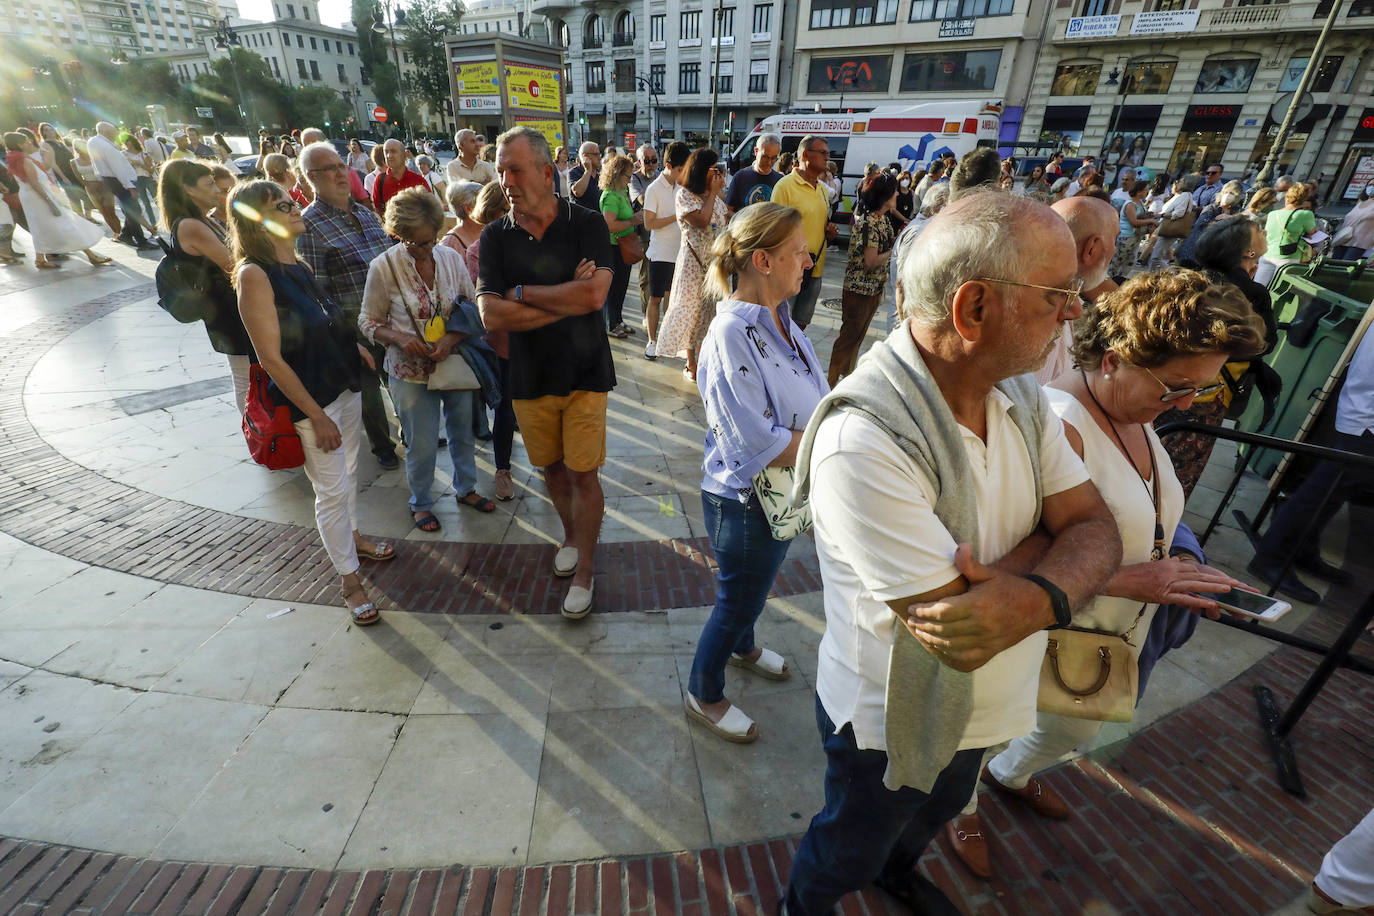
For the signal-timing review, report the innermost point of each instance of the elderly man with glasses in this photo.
(341, 238)
(954, 524)
(755, 184)
(1205, 194)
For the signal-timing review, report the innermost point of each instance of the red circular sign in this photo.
(534, 89)
(379, 114)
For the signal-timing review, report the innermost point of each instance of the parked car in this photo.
(247, 165)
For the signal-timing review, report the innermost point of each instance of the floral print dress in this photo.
(689, 315)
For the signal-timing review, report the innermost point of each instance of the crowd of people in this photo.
(983, 484)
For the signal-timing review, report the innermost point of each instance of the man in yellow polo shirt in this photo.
(803, 189)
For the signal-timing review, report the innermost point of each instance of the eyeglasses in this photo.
(1072, 295)
(651, 161)
(1175, 394)
(336, 167)
(409, 244)
(286, 206)
(1214, 172)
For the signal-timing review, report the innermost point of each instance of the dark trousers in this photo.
(615, 299)
(803, 306)
(375, 422)
(748, 558)
(134, 218)
(1291, 520)
(866, 831)
(856, 315)
(503, 430)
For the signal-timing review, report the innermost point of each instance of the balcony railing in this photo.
(623, 39)
(1246, 16)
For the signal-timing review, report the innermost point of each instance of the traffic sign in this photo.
(379, 114)
(205, 112)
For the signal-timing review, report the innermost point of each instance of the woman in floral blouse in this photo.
(865, 275)
(407, 285)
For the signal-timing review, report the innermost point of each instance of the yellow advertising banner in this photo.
(478, 86)
(552, 130)
(534, 88)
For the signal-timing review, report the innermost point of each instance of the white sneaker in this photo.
(651, 350)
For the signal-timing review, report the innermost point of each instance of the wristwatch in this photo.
(520, 292)
(1059, 601)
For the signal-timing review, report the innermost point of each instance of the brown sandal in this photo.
(475, 500)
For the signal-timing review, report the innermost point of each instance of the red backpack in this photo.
(272, 438)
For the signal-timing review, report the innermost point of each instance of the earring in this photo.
(1107, 376)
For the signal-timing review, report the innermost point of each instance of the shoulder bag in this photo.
(1176, 227)
(272, 438)
(631, 246)
(1298, 246)
(773, 487)
(451, 374)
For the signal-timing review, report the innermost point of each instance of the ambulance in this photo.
(910, 134)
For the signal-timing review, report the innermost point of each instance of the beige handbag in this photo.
(451, 374)
(1089, 674)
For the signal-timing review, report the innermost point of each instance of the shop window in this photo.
(948, 71)
(928, 10)
(1148, 77)
(1288, 157)
(1162, 5)
(1324, 79)
(838, 14)
(1076, 79)
(1226, 75)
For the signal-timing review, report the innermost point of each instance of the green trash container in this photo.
(1322, 303)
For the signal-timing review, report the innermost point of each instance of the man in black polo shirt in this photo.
(543, 274)
(584, 179)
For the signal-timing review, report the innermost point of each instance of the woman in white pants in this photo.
(1345, 883)
(1152, 344)
(307, 346)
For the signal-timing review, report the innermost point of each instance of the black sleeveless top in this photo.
(317, 341)
(222, 321)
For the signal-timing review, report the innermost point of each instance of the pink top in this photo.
(499, 340)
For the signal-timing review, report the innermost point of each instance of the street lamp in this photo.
(647, 86)
(715, 78)
(387, 26)
(351, 94)
(226, 39)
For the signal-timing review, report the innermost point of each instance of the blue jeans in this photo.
(803, 307)
(866, 831)
(748, 558)
(418, 410)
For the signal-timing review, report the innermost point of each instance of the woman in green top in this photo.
(621, 220)
(1285, 231)
(865, 275)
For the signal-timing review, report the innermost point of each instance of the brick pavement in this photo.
(52, 502)
(1184, 817)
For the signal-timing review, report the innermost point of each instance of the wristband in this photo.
(519, 292)
(1063, 617)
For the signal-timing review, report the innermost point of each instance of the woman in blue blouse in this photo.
(760, 382)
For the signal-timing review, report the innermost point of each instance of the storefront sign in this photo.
(833, 75)
(478, 89)
(957, 28)
(1213, 111)
(1093, 27)
(552, 130)
(1161, 22)
(534, 88)
(1360, 178)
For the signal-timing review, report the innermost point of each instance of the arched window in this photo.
(593, 34)
(564, 36)
(624, 29)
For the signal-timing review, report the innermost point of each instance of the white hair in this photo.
(768, 139)
(319, 147)
(979, 239)
(461, 196)
(312, 131)
(935, 197)
(463, 134)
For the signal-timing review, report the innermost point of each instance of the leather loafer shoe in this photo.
(1318, 567)
(918, 893)
(965, 835)
(1037, 796)
(1289, 585)
(578, 603)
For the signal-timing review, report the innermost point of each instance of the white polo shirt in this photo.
(481, 173)
(866, 490)
(1355, 406)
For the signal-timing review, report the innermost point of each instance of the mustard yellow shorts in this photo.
(570, 428)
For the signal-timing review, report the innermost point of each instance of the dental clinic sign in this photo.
(1162, 22)
(1092, 27)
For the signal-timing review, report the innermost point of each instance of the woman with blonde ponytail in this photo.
(760, 381)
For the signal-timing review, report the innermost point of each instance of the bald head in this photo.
(312, 135)
(1094, 224)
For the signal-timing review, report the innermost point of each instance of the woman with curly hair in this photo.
(1155, 342)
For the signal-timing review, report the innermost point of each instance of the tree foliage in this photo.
(382, 73)
(423, 41)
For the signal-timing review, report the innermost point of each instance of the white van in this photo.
(910, 134)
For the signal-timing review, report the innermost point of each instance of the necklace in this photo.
(1158, 552)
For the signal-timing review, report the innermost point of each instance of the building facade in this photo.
(131, 26)
(1175, 86)
(860, 54)
(649, 67)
